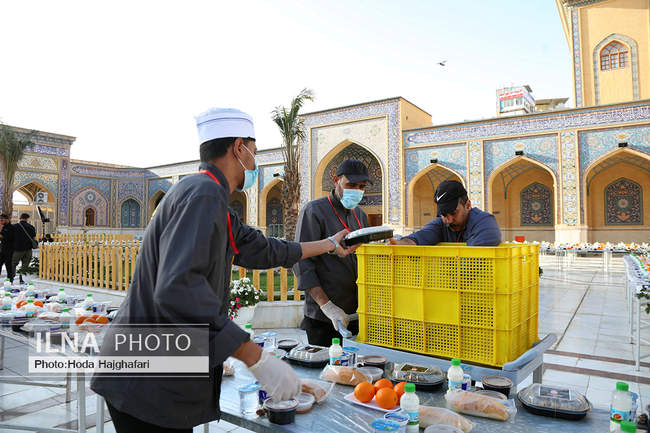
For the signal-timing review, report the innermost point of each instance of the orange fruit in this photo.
(364, 392)
(399, 389)
(90, 320)
(95, 316)
(38, 303)
(102, 319)
(383, 383)
(386, 398)
(80, 320)
(21, 303)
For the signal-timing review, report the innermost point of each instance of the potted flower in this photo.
(243, 298)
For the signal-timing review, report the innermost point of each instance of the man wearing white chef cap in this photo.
(182, 276)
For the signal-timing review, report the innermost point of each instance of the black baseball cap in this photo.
(355, 170)
(447, 195)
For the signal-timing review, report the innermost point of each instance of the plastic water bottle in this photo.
(6, 302)
(455, 376)
(60, 297)
(89, 302)
(620, 408)
(410, 404)
(336, 352)
(30, 290)
(30, 309)
(7, 285)
(65, 318)
(249, 328)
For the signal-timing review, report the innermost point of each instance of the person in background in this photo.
(457, 221)
(7, 246)
(330, 282)
(24, 233)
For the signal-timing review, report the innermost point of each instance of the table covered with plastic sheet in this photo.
(338, 415)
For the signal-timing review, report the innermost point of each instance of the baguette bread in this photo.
(437, 415)
(315, 390)
(343, 375)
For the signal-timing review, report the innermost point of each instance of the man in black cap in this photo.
(329, 282)
(457, 221)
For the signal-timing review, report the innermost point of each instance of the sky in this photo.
(126, 78)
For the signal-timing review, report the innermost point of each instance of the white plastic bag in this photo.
(432, 416)
(471, 403)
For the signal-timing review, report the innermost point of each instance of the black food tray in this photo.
(368, 234)
(553, 413)
(308, 364)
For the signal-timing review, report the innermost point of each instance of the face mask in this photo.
(351, 198)
(249, 175)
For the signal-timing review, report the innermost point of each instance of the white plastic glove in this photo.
(335, 314)
(276, 377)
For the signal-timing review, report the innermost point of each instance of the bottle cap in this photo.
(65, 310)
(336, 341)
(61, 289)
(409, 387)
(248, 326)
(7, 294)
(622, 386)
(30, 300)
(628, 426)
(89, 295)
(455, 361)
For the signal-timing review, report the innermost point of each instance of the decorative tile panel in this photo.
(577, 63)
(389, 108)
(594, 144)
(132, 188)
(267, 174)
(64, 187)
(536, 205)
(623, 203)
(530, 124)
(77, 183)
(89, 197)
(173, 169)
(541, 148)
(251, 199)
(91, 170)
(354, 151)
(453, 156)
(50, 181)
(269, 156)
(156, 185)
(33, 162)
(475, 183)
(569, 179)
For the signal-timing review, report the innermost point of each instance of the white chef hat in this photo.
(224, 122)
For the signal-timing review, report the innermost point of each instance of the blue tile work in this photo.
(50, 181)
(389, 108)
(540, 148)
(132, 188)
(266, 174)
(64, 184)
(88, 170)
(475, 184)
(570, 176)
(50, 150)
(594, 144)
(159, 184)
(532, 123)
(267, 156)
(536, 205)
(577, 63)
(78, 183)
(623, 203)
(453, 156)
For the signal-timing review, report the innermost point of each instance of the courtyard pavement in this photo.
(582, 304)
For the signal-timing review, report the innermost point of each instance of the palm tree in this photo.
(291, 125)
(12, 149)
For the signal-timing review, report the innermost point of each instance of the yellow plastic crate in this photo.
(475, 303)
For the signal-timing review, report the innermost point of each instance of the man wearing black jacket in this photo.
(7, 245)
(23, 233)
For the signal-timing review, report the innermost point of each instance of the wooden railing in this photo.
(91, 237)
(270, 283)
(112, 266)
(104, 266)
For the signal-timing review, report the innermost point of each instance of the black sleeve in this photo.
(309, 228)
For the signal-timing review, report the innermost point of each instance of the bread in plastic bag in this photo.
(471, 403)
(318, 388)
(343, 375)
(438, 415)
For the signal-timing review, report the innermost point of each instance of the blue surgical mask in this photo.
(351, 198)
(249, 175)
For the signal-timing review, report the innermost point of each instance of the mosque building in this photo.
(547, 172)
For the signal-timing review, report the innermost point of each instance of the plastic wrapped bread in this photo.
(438, 415)
(343, 375)
(471, 403)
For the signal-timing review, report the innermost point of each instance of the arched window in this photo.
(536, 205)
(613, 56)
(130, 213)
(89, 217)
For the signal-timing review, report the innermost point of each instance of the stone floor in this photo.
(581, 303)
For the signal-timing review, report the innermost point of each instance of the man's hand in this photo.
(403, 241)
(276, 377)
(335, 314)
(342, 251)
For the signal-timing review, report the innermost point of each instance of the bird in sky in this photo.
(442, 63)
